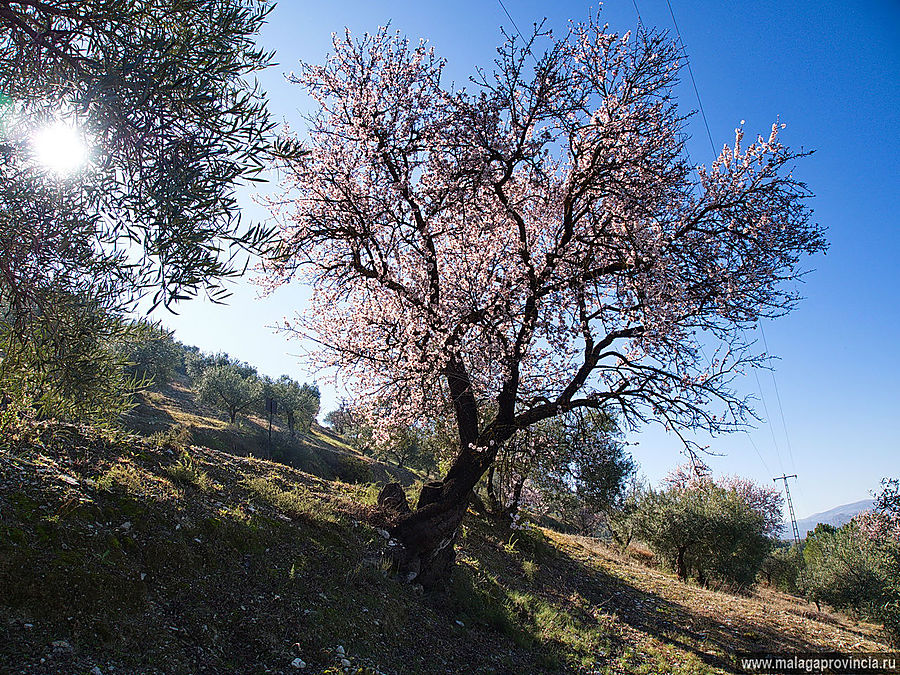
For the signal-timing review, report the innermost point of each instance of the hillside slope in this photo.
(133, 557)
(173, 411)
(838, 516)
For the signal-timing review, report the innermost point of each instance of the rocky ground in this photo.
(123, 555)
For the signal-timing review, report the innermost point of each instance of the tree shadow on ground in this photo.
(620, 599)
(713, 640)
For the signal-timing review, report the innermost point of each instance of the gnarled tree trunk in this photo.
(429, 532)
(681, 564)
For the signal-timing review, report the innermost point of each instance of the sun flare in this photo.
(60, 147)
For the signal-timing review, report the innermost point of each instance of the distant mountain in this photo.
(839, 515)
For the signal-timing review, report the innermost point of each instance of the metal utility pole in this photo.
(272, 409)
(787, 492)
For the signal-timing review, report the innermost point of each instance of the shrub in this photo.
(176, 437)
(851, 570)
(187, 470)
(353, 470)
(706, 532)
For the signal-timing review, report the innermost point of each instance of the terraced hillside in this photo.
(124, 555)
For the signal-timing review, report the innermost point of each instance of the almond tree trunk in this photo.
(429, 532)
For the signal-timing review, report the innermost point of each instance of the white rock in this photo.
(345, 663)
(340, 650)
(384, 533)
(96, 671)
(298, 663)
(460, 624)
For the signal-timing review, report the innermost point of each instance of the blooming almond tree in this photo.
(533, 246)
(765, 500)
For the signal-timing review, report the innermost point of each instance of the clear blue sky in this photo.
(830, 72)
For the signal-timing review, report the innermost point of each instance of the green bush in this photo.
(176, 437)
(705, 532)
(352, 470)
(187, 470)
(782, 568)
(851, 570)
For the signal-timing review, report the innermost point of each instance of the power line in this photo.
(787, 438)
(765, 345)
(638, 12)
(758, 453)
(713, 148)
(762, 398)
(513, 21)
(691, 73)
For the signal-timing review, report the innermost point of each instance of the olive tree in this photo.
(706, 531)
(124, 129)
(231, 386)
(297, 403)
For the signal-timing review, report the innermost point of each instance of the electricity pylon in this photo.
(787, 492)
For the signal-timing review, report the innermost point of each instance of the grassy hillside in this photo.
(133, 556)
(173, 412)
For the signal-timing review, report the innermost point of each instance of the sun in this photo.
(59, 147)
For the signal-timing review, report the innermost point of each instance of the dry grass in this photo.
(149, 562)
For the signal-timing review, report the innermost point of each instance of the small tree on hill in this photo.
(573, 461)
(670, 523)
(231, 387)
(621, 514)
(710, 531)
(783, 567)
(857, 567)
(539, 245)
(298, 403)
(766, 500)
(150, 352)
(341, 419)
(200, 362)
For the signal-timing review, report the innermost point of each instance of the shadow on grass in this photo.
(588, 600)
(175, 576)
